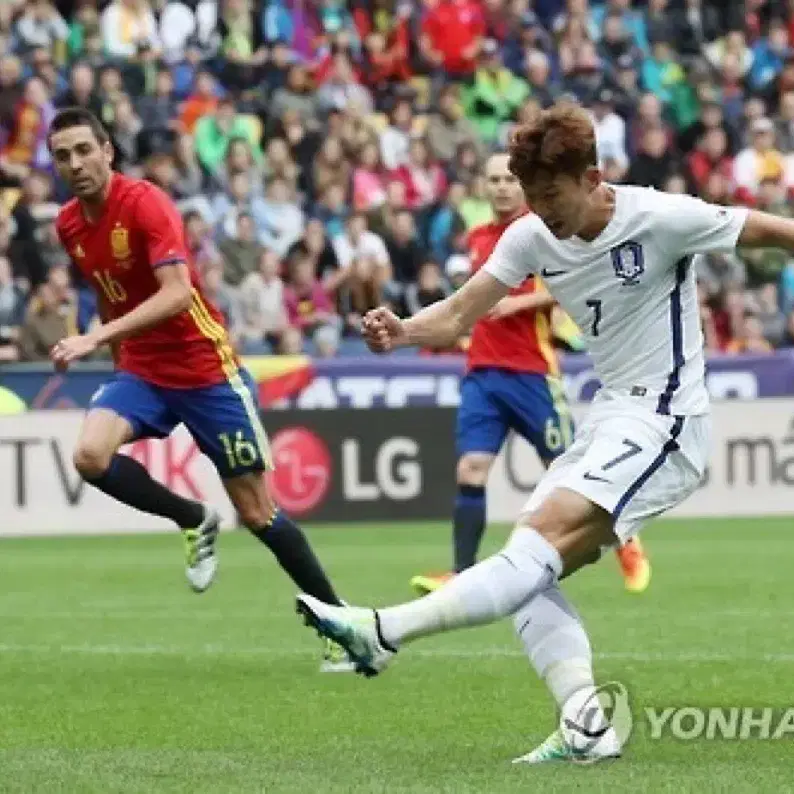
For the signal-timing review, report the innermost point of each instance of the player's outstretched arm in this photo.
(763, 230)
(439, 325)
(172, 298)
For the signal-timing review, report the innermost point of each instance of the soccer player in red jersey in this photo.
(512, 382)
(174, 363)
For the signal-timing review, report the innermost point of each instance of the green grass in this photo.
(115, 678)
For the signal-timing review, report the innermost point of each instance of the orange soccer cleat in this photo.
(427, 583)
(634, 565)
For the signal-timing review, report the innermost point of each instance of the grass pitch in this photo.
(115, 678)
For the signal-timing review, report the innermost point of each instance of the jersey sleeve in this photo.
(696, 227)
(512, 259)
(159, 221)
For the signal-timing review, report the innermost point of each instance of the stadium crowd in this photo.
(327, 156)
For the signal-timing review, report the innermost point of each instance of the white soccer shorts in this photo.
(631, 461)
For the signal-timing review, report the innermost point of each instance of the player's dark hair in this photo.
(559, 140)
(78, 117)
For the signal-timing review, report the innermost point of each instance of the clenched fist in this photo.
(382, 330)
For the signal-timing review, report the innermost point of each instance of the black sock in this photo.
(294, 554)
(469, 525)
(129, 482)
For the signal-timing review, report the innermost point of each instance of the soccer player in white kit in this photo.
(618, 260)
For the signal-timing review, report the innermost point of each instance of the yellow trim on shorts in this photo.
(562, 409)
(216, 333)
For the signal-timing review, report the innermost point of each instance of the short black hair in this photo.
(78, 117)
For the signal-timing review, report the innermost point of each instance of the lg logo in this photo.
(302, 473)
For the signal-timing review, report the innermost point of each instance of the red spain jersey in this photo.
(521, 342)
(138, 231)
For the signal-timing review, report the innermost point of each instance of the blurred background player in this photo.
(174, 363)
(512, 383)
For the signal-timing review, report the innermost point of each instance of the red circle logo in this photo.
(302, 474)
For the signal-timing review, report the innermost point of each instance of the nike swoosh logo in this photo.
(549, 273)
(596, 478)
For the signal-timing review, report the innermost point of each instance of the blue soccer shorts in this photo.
(495, 401)
(223, 419)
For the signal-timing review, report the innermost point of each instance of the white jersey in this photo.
(632, 290)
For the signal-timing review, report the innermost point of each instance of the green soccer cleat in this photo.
(555, 748)
(201, 560)
(335, 659)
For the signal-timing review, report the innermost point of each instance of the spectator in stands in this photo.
(12, 312)
(449, 128)
(424, 180)
(51, 316)
(406, 255)
(452, 35)
(445, 222)
(750, 337)
(761, 160)
(315, 244)
(239, 159)
(332, 210)
(342, 90)
(495, 95)
(610, 130)
(10, 88)
(308, 304)
(240, 198)
(284, 219)
(616, 42)
(711, 155)
(331, 167)
(364, 264)
(213, 134)
(475, 208)
(696, 24)
(396, 138)
(718, 272)
(242, 252)
(428, 288)
(128, 27)
(241, 44)
(369, 179)
(158, 114)
(198, 235)
(655, 163)
(296, 95)
(458, 270)
(42, 26)
(279, 163)
(264, 315)
(82, 90)
(26, 143)
(201, 102)
(188, 177)
(125, 132)
(772, 319)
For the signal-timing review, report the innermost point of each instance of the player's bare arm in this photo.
(439, 325)
(762, 230)
(515, 304)
(172, 298)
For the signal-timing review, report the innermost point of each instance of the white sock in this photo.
(556, 643)
(490, 590)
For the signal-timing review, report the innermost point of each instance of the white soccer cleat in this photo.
(355, 629)
(201, 559)
(559, 748)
